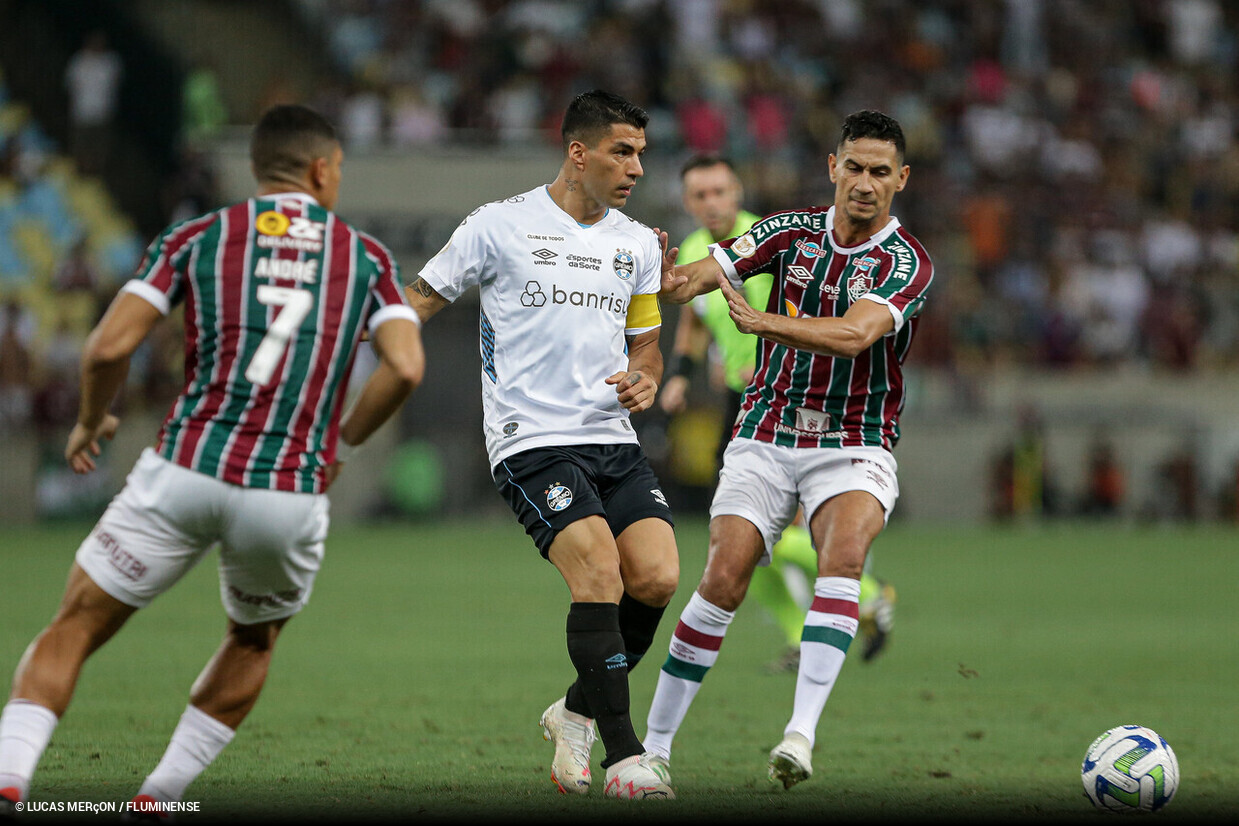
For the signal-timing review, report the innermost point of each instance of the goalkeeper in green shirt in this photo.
(712, 196)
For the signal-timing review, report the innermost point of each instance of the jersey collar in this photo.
(546, 190)
(290, 196)
(872, 241)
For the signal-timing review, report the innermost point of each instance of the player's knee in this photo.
(722, 589)
(258, 638)
(665, 586)
(845, 561)
(600, 584)
(655, 586)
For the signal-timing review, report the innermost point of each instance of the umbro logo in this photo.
(617, 661)
(545, 254)
(799, 276)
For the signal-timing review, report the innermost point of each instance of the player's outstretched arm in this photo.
(846, 336)
(402, 363)
(681, 284)
(105, 363)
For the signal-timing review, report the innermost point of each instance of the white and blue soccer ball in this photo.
(1130, 769)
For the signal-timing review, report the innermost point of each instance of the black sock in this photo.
(596, 648)
(638, 623)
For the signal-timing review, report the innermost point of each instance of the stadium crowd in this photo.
(1077, 173)
(1083, 174)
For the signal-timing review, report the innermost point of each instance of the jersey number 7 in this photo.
(294, 306)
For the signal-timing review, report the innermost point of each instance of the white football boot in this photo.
(573, 736)
(640, 777)
(792, 760)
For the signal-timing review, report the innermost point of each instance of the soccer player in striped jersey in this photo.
(712, 195)
(278, 294)
(818, 423)
(569, 339)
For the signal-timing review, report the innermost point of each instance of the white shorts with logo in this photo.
(167, 517)
(765, 483)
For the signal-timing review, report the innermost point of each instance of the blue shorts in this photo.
(549, 488)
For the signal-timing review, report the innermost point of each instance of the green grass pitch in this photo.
(412, 684)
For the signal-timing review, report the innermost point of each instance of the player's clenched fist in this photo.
(636, 390)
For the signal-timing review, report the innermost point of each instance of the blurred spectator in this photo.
(702, 124)
(1170, 246)
(17, 327)
(1105, 485)
(1020, 473)
(77, 273)
(93, 78)
(1030, 492)
(987, 215)
(1195, 26)
(1176, 494)
(1022, 289)
(362, 117)
(1002, 485)
(1032, 117)
(1173, 330)
(1112, 294)
(56, 386)
(514, 108)
(203, 110)
(414, 119)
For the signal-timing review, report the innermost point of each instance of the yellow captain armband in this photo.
(643, 312)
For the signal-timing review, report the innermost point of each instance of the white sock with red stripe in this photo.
(693, 650)
(829, 629)
(196, 742)
(25, 730)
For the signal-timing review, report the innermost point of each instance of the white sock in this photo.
(693, 650)
(197, 741)
(25, 730)
(829, 629)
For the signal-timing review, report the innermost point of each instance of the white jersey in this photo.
(557, 301)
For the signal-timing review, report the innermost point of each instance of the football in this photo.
(1130, 769)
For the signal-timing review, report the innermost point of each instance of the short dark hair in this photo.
(287, 139)
(870, 123)
(591, 113)
(705, 160)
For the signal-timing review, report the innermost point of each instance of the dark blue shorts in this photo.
(549, 488)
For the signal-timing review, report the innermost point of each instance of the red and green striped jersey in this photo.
(803, 399)
(278, 292)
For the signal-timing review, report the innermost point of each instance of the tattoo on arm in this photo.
(422, 288)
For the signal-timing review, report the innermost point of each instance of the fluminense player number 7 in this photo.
(294, 306)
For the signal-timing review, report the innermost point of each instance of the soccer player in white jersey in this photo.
(569, 338)
(278, 293)
(818, 421)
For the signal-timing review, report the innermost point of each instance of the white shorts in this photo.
(764, 483)
(167, 517)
